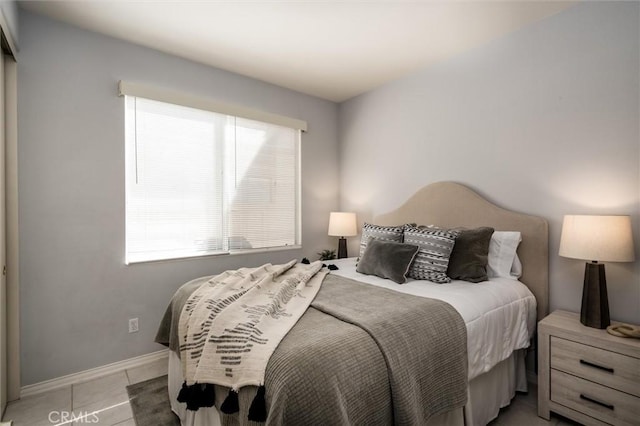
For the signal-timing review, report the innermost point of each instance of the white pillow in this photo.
(516, 268)
(503, 260)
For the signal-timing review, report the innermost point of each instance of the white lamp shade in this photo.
(599, 238)
(342, 224)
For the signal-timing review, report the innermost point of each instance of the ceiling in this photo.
(330, 49)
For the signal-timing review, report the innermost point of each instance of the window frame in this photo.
(180, 99)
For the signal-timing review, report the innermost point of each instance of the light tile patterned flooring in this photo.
(105, 402)
(523, 411)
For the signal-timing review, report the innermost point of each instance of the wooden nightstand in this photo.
(586, 374)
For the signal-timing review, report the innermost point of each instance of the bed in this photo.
(499, 315)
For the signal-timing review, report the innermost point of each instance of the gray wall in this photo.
(9, 10)
(76, 292)
(543, 121)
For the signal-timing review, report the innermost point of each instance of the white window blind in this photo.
(200, 182)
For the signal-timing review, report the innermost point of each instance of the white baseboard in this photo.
(93, 373)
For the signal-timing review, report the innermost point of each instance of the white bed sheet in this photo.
(500, 314)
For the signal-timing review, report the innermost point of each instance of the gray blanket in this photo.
(359, 355)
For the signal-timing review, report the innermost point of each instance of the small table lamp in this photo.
(342, 224)
(596, 238)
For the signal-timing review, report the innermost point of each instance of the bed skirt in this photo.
(487, 393)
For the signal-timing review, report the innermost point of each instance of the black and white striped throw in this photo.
(230, 326)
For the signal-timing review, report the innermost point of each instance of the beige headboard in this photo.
(449, 204)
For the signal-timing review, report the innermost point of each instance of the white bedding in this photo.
(500, 314)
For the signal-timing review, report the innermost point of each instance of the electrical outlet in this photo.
(133, 325)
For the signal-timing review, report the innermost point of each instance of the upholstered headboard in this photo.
(449, 204)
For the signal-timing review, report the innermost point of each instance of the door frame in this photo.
(11, 217)
(9, 49)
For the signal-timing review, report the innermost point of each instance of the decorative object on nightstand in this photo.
(624, 330)
(586, 374)
(596, 238)
(327, 255)
(342, 224)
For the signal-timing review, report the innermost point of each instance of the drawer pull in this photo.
(600, 367)
(595, 401)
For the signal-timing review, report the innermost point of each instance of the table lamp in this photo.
(342, 224)
(596, 238)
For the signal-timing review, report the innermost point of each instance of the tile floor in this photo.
(105, 402)
(523, 411)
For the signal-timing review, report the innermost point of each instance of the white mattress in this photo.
(500, 314)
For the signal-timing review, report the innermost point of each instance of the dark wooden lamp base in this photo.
(342, 248)
(595, 304)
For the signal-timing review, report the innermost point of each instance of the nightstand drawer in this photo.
(611, 369)
(600, 402)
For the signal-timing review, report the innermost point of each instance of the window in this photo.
(200, 182)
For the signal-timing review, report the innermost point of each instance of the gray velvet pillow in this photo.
(468, 261)
(387, 259)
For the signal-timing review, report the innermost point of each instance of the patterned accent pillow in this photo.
(432, 260)
(383, 233)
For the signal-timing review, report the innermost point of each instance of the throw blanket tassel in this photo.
(193, 397)
(197, 396)
(183, 395)
(258, 409)
(230, 404)
(207, 396)
(188, 395)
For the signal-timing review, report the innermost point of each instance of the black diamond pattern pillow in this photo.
(432, 260)
(383, 233)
